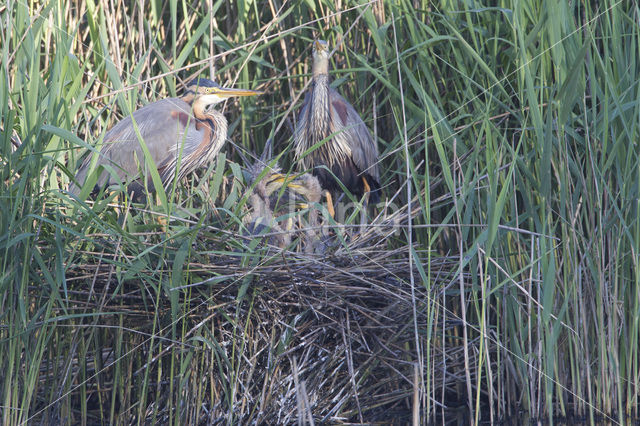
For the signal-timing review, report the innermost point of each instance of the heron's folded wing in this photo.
(166, 127)
(348, 126)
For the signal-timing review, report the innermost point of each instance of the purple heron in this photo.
(181, 134)
(330, 133)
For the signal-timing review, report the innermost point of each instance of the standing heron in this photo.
(330, 133)
(181, 134)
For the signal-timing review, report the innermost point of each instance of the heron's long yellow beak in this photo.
(281, 179)
(320, 45)
(227, 92)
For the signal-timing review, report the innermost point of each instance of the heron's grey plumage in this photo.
(261, 219)
(345, 144)
(181, 135)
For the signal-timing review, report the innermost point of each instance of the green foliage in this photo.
(516, 126)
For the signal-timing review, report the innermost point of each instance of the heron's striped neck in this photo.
(214, 125)
(220, 132)
(319, 111)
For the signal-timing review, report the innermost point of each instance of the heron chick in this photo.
(273, 192)
(181, 134)
(331, 135)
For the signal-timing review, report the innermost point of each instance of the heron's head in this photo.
(207, 92)
(320, 57)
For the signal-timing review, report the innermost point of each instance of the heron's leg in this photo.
(223, 192)
(367, 194)
(367, 188)
(332, 212)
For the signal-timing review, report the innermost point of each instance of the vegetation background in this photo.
(512, 286)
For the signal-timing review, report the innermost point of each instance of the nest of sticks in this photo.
(280, 333)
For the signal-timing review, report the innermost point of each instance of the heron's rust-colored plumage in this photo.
(181, 134)
(342, 142)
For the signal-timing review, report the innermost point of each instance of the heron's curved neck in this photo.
(188, 97)
(215, 134)
(216, 125)
(214, 122)
(199, 109)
